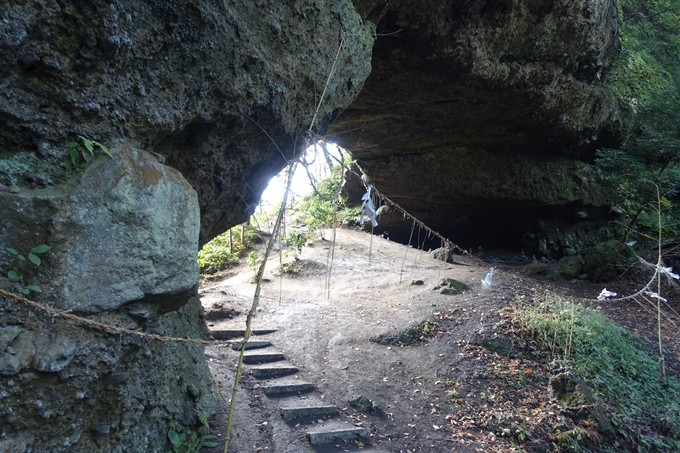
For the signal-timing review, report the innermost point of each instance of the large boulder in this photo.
(227, 93)
(124, 237)
(124, 229)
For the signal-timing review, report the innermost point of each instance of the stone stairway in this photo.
(298, 401)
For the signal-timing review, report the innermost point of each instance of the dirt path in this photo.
(329, 340)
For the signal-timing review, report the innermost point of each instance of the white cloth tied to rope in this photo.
(668, 271)
(368, 208)
(486, 282)
(605, 294)
(655, 296)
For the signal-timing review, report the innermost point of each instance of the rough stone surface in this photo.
(569, 267)
(363, 404)
(480, 117)
(226, 93)
(443, 254)
(450, 286)
(224, 90)
(124, 229)
(71, 389)
(124, 237)
(494, 342)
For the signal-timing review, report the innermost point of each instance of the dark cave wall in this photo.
(481, 117)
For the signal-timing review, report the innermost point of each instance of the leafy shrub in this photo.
(217, 254)
(295, 240)
(322, 208)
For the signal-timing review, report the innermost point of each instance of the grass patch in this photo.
(643, 407)
(222, 252)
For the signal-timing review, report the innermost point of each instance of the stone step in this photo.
(252, 345)
(259, 357)
(268, 372)
(287, 388)
(227, 334)
(291, 412)
(328, 433)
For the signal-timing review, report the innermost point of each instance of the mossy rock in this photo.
(363, 404)
(494, 342)
(535, 268)
(574, 393)
(570, 267)
(450, 286)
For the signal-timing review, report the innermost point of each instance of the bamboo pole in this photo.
(256, 301)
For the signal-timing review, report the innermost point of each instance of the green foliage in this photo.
(253, 260)
(633, 174)
(295, 240)
(219, 254)
(646, 79)
(183, 440)
(613, 361)
(80, 150)
(15, 276)
(317, 210)
(648, 66)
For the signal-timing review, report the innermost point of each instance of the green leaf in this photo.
(74, 155)
(174, 437)
(72, 145)
(26, 291)
(12, 251)
(21, 257)
(104, 149)
(89, 144)
(35, 288)
(202, 417)
(13, 274)
(42, 248)
(34, 259)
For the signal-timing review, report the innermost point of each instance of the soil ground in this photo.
(433, 395)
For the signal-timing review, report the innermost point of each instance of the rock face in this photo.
(226, 91)
(124, 229)
(480, 116)
(65, 388)
(124, 238)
